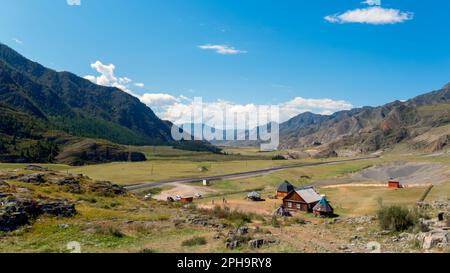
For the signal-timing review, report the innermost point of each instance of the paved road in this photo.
(237, 175)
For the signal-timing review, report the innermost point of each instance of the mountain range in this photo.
(370, 129)
(50, 116)
(42, 110)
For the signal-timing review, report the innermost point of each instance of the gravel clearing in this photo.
(408, 173)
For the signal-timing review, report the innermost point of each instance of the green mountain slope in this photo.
(35, 101)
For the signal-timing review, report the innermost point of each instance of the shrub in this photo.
(109, 230)
(397, 218)
(278, 157)
(231, 215)
(196, 241)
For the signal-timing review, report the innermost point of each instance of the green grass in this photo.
(196, 241)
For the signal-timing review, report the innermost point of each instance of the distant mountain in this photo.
(36, 101)
(370, 129)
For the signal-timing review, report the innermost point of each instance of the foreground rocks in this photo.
(106, 188)
(20, 205)
(16, 212)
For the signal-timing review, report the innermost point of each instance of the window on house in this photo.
(289, 205)
(299, 206)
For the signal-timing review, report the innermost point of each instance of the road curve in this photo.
(238, 175)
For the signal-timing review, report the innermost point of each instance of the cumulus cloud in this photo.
(372, 15)
(73, 2)
(176, 109)
(108, 78)
(222, 49)
(139, 84)
(159, 99)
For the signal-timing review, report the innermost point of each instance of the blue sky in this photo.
(294, 53)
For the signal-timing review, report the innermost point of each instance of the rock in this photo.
(56, 207)
(70, 182)
(12, 221)
(334, 221)
(435, 239)
(63, 226)
(242, 231)
(343, 247)
(33, 178)
(18, 211)
(256, 243)
(106, 188)
(281, 212)
(233, 245)
(359, 229)
(361, 220)
(35, 168)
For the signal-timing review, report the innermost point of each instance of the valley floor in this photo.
(133, 223)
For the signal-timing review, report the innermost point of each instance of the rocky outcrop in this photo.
(33, 178)
(258, 243)
(19, 211)
(106, 188)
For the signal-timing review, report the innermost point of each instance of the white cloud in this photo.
(222, 49)
(107, 77)
(372, 15)
(17, 41)
(173, 108)
(158, 99)
(73, 2)
(176, 108)
(139, 84)
(372, 2)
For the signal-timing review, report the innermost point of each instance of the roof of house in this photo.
(286, 187)
(308, 194)
(323, 206)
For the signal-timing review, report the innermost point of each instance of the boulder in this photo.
(18, 211)
(434, 239)
(233, 245)
(57, 207)
(33, 178)
(106, 188)
(71, 183)
(281, 212)
(242, 231)
(12, 221)
(257, 243)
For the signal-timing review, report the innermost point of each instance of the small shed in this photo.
(284, 189)
(323, 208)
(394, 184)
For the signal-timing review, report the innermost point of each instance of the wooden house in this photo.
(302, 199)
(284, 189)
